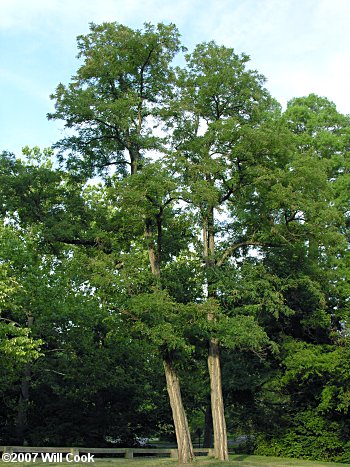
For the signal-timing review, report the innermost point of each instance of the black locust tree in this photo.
(219, 104)
(113, 105)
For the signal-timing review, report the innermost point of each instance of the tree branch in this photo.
(227, 195)
(11, 321)
(228, 252)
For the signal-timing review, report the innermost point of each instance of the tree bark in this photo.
(217, 401)
(183, 437)
(153, 249)
(134, 160)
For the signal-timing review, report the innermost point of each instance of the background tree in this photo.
(315, 424)
(84, 342)
(309, 276)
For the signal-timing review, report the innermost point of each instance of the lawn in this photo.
(235, 461)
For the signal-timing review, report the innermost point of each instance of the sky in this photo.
(301, 46)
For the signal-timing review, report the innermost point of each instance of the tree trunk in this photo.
(217, 402)
(183, 437)
(134, 160)
(208, 428)
(153, 249)
(184, 443)
(22, 409)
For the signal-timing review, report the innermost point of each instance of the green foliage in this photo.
(160, 319)
(17, 346)
(114, 99)
(310, 437)
(92, 381)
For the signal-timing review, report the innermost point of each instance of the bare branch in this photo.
(54, 371)
(10, 321)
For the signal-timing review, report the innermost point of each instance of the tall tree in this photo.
(293, 392)
(220, 103)
(113, 104)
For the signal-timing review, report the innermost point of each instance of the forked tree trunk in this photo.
(217, 402)
(183, 437)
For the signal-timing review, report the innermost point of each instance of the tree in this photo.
(16, 345)
(52, 232)
(307, 322)
(112, 103)
(219, 113)
(92, 381)
(312, 339)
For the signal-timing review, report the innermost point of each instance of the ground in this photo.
(235, 461)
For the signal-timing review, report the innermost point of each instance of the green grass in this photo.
(239, 460)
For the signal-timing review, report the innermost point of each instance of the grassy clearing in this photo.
(235, 461)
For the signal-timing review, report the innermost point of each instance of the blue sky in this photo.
(301, 46)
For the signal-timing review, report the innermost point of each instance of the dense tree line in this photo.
(183, 217)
